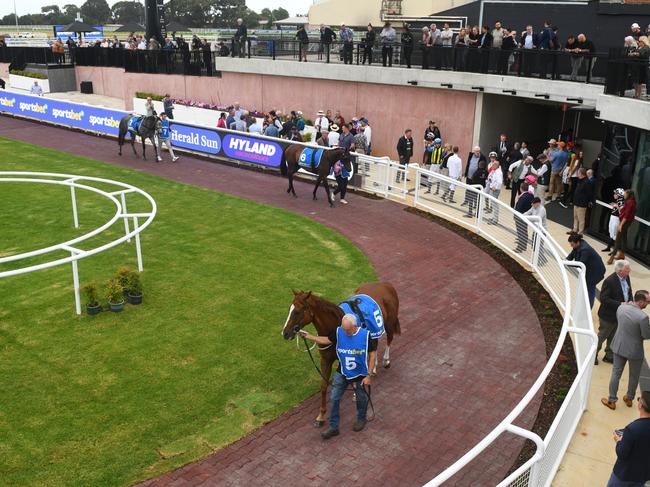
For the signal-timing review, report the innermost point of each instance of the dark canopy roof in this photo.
(174, 26)
(78, 27)
(131, 27)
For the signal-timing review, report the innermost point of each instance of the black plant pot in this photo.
(135, 298)
(116, 307)
(93, 310)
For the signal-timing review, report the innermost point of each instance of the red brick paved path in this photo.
(471, 345)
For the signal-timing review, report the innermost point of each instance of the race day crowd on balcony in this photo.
(499, 49)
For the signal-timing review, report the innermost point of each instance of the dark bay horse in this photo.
(326, 316)
(147, 130)
(291, 163)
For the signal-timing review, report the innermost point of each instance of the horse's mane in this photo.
(326, 307)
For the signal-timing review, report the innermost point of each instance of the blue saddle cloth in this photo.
(368, 313)
(135, 123)
(310, 158)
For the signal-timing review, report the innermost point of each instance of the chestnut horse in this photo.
(291, 163)
(326, 316)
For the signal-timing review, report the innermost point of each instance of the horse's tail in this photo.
(284, 170)
(122, 130)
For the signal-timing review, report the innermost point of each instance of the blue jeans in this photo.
(339, 385)
(614, 481)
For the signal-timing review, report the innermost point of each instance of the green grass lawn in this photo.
(121, 397)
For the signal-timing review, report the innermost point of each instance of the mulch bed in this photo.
(562, 375)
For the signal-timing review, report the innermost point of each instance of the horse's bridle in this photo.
(296, 329)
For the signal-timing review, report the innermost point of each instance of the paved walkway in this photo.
(470, 349)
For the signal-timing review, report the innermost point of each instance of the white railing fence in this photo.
(139, 222)
(527, 242)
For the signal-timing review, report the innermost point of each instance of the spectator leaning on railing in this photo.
(387, 38)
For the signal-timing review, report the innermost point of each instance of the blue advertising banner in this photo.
(74, 115)
(249, 149)
(98, 33)
(212, 141)
(195, 138)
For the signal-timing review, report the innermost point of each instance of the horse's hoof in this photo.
(288, 190)
(318, 424)
(387, 364)
(373, 373)
(295, 195)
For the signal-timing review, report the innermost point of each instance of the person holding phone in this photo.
(632, 468)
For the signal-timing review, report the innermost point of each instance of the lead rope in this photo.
(367, 392)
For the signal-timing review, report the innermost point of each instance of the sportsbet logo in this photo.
(7, 102)
(103, 121)
(32, 107)
(67, 114)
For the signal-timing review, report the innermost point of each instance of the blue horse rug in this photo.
(310, 158)
(135, 123)
(368, 313)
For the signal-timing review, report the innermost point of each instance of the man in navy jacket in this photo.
(632, 468)
(595, 268)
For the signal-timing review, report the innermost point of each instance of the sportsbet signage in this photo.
(211, 141)
(62, 113)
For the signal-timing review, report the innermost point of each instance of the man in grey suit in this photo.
(627, 346)
(616, 290)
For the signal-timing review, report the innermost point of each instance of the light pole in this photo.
(16, 16)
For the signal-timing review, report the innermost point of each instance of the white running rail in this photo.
(82, 182)
(525, 241)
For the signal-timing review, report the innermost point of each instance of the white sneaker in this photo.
(174, 159)
(343, 202)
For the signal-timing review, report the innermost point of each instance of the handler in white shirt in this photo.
(493, 186)
(455, 168)
(36, 89)
(333, 137)
(322, 123)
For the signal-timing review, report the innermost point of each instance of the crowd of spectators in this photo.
(328, 126)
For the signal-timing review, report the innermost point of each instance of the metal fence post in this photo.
(75, 280)
(417, 187)
(75, 218)
(479, 212)
(273, 48)
(138, 250)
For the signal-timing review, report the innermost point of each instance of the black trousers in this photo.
(408, 51)
(502, 63)
(347, 52)
(515, 191)
(342, 186)
(387, 55)
(367, 55)
(425, 57)
(522, 233)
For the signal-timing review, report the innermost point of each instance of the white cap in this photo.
(635, 26)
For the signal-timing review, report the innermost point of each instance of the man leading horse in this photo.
(355, 352)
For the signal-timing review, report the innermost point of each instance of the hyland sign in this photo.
(196, 139)
(254, 150)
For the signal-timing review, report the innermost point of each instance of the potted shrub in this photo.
(122, 276)
(115, 295)
(92, 300)
(134, 293)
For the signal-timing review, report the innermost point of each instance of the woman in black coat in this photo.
(368, 43)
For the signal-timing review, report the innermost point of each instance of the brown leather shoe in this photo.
(606, 402)
(610, 261)
(628, 402)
